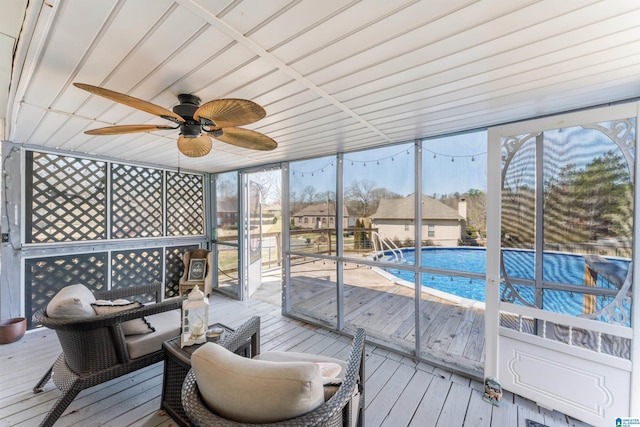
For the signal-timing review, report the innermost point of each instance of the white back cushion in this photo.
(255, 391)
(71, 302)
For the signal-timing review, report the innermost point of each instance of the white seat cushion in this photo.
(255, 391)
(166, 324)
(71, 302)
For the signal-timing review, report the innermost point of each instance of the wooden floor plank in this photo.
(428, 411)
(478, 412)
(506, 414)
(407, 403)
(455, 406)
(382, 404)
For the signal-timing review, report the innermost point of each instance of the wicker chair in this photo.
(94, 349)
(344, 408)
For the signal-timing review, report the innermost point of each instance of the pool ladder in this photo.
(382, 242)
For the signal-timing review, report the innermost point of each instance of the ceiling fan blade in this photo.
(246, 138)
(195, 147)
(117, 130)
(230, 112)
(131, 102)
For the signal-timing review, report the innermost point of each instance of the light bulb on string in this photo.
(473, 159)
(452, 159)
(434, 155)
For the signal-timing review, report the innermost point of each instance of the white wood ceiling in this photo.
(333, 75)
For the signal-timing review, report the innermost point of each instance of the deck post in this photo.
(591, 280)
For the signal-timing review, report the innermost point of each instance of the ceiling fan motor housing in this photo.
(187, 107)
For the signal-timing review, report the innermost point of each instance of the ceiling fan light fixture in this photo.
(218, 119)
(195, 147)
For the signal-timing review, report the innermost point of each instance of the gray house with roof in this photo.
(441, 224)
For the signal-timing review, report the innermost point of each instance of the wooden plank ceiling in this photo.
(333, 75)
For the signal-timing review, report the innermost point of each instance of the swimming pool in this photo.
(558, 268)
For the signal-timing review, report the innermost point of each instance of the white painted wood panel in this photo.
(579, 386)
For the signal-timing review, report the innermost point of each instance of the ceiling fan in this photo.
(197, 123)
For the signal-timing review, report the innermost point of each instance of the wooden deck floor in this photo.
(399, 390)
(451, 334)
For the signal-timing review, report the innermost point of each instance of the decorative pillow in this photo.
(255, 391)
(130, 327)
(71, 302)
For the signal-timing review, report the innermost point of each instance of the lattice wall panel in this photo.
(66, 198)
(174, 268)
(136, 267)
(44, 277)
(136, 202)
(185, 204)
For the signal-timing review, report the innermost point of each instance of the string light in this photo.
(472, 156)
(392, 157)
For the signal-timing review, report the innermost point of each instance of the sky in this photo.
(393, 167)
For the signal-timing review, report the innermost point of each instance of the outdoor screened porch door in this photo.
(252, 236)
(561, 326)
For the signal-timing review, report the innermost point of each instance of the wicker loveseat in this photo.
(95, 349)
(344, 407)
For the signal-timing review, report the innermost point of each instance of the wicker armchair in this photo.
(95, 350)
(344, 408)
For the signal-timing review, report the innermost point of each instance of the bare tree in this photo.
(360, 192)
(270, 187)
(309, 194)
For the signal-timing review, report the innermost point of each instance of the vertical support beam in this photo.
(214, 227)
(339, 241)
(11, 281)
(539, 231)
(634, 395)
(417, 221)
(494, 220)
(243, 236)
(285, 203)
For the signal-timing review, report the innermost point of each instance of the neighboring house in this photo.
(322, 215)
(227, 213)
(441, 224)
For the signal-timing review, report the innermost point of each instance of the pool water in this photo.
(558, 267)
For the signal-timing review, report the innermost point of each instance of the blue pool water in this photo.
(558, 267)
